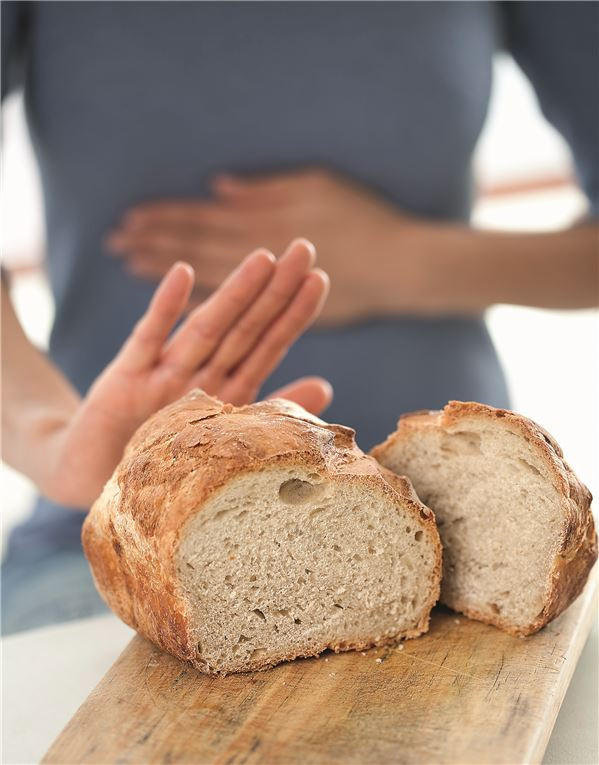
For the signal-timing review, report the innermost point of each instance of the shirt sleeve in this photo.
(557, 46)
(14, 25)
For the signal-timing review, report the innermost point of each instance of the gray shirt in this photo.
(133, 101)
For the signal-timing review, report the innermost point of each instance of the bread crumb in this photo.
(326, 659)
(400, 647)
(332, 674)
(457, 621)
(379, 661)
(363, 653)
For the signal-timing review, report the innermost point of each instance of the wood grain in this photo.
(463, 693)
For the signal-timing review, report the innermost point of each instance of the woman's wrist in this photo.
(426, 269)
(43, 432)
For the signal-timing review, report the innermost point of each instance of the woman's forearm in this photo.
(460, 269)
(37, 400)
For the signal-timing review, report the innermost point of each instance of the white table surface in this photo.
(48, 673)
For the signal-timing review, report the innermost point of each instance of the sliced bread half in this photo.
(236, 538)
(515, 522)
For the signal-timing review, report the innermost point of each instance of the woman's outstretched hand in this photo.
(227, 346)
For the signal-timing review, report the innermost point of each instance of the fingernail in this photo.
(187, 266)
(262, 253)
(305, 243)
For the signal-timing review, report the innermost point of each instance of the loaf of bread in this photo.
(515, 522)
(236, 538)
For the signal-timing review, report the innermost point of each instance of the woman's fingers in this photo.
(200, 335)
(246, 380)
(313, 393)
(183, 215)
(213, 272)
(144, 346)
(290, 273)
(271, 190)
(149, 257)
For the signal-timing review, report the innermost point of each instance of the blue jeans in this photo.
(46, 581)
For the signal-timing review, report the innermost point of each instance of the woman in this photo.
(165, 130)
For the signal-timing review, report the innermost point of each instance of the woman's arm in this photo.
(69, 446)
(458, 269)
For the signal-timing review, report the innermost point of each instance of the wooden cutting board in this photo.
(463, 693)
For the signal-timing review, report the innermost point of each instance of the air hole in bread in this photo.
(408, 530)
(337, 548)
(336, 605)
(495, 608)
(297, 621)
(465, 443)
(227, 510)
(298, 492)
(418, 536)
(259, 614)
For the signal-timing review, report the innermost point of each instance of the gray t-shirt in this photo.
(133, 101)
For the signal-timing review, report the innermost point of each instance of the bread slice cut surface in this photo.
(515, 523)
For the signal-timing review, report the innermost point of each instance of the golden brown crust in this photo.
(577, 550)
(173, 464)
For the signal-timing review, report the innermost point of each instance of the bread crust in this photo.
(577, 550)
(173, 464)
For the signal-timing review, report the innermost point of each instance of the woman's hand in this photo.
(382, 262)
(356, 234)
(227, 346)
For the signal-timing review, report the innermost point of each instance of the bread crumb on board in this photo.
(379, 661)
